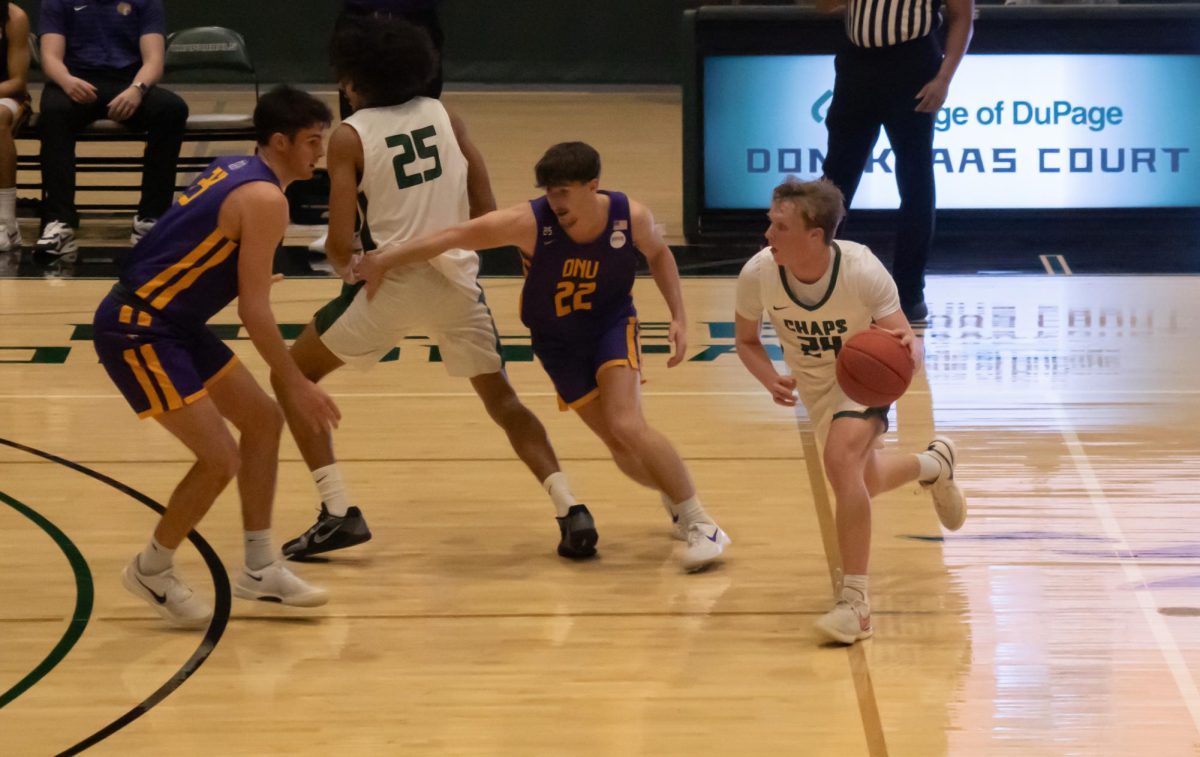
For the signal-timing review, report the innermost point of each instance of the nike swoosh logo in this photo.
(160, 598)
(776, 307)
(713, 538)
(320, 537)
(81, 7)
(256, 578)
(322, 478)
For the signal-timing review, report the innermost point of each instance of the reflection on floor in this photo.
(1061, 620)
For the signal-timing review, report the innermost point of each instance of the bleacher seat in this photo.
(203, 54)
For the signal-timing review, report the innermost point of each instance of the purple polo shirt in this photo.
(102, 35)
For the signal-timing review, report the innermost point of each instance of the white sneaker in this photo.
(170, 597)
(846, 623)
(705, 543)
(57, 240)
(317, 246)
(948, 500)
(10, 238)
(275, 583)
(141, 227)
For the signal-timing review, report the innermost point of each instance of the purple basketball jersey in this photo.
(185, 268)
(579, 291)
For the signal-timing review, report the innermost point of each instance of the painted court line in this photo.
(1133, 571)
(860, 671)
(84, 596)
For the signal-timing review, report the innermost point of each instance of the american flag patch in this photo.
(620, 225)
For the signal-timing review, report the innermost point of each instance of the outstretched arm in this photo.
(666, 275)
(513, 226)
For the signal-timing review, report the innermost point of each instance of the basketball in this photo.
(874, 368)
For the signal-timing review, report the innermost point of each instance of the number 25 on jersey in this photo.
(412, 146)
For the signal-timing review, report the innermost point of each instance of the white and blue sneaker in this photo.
(705, 544)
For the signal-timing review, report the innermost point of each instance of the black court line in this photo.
(211, 636)
(84, 594)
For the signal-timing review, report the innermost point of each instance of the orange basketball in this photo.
(874, 368)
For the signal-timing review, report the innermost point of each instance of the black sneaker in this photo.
(330, 532)
(579, 535)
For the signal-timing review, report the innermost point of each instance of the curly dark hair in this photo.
(388, 60)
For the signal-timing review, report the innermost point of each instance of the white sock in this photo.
(854, 589)
(931, 467)
(667, 504)
(560, 493)
(332, 490)
(259, 553)
(691, 511)
(155, 558)
(8, 206)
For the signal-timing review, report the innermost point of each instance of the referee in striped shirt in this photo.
(892, 72)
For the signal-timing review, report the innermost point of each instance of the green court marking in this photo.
(83, 601)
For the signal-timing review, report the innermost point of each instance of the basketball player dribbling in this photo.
(216, 243)
(580, 248)
(407, 159)
(819, 292)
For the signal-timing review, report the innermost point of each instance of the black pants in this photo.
(162, 115)
(877, 87)
(427, 20)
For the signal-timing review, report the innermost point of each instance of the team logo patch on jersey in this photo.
(237, 165)
(547, 231)
(617, 240)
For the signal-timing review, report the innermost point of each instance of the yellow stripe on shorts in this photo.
(143, 381)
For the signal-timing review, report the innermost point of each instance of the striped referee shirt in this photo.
(883, 23)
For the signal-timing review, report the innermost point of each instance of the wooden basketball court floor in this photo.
(1062, 619)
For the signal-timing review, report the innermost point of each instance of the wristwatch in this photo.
(143, 88)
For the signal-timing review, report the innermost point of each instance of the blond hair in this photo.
(818, 202)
